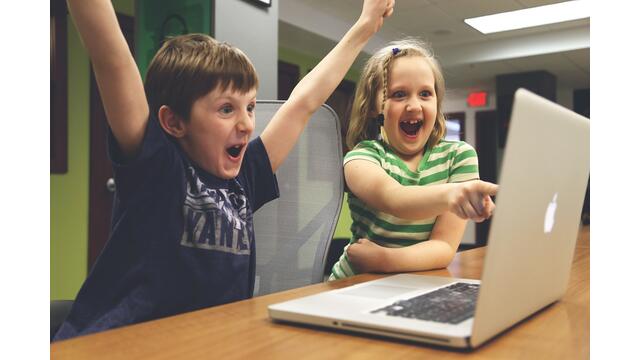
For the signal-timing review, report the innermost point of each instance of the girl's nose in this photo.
(413, 104)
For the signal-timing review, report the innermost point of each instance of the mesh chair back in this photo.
(293, 233)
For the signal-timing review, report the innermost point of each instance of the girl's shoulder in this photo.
(455, 146)
(370, 146)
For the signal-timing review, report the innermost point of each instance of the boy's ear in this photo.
(171, 122)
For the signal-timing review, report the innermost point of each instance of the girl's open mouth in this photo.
(411, 127)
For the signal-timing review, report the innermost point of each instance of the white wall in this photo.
(456, 101)
(253, 29)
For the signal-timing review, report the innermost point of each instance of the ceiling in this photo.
(470, 59)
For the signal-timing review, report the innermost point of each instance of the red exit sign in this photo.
(477, 99)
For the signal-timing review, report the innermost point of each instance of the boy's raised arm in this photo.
(117, 75)
(312, 91)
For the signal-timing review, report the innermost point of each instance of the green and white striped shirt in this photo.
(446, 162)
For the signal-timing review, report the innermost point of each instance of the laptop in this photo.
(528, 258)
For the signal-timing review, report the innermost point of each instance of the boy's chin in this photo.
(224, 169)
(227, 173)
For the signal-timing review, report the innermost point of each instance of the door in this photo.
(341, 101)
(487, 149)
(101, 185)
(288, 77)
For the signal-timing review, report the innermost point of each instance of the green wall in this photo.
(69, 199)
(306, 62)
(152, 13)
(344, 222)
(70, 191)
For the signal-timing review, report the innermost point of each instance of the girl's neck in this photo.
(412, 161)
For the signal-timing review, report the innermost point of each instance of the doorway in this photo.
(101, 185)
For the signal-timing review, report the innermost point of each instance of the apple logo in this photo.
(549, 217)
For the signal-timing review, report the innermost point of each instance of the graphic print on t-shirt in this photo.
(215, 219)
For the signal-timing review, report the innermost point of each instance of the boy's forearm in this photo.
(121, 88)
(427, 255)
(314, 89)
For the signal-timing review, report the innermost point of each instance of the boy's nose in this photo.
(246, 123)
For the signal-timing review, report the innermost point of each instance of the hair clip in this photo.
(395, 51)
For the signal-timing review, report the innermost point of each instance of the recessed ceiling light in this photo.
(535, 16)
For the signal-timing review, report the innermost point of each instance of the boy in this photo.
(188, 178)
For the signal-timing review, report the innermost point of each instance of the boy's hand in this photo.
(471, 200)
(374, 12)
(366, 255)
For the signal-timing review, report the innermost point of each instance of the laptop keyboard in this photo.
(452, 304)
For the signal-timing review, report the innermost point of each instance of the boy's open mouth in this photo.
(411, 127)
(234, 151)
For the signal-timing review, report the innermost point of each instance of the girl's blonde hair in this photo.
(362, 124)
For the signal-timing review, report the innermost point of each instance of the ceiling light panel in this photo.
(536, 16)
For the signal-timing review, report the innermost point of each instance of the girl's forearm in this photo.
(427, 255)
(417, 202)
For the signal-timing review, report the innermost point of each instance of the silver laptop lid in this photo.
(537, 217)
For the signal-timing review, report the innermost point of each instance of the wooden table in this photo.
(243, 329)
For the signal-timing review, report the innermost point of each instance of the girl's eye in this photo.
(226, 109)
(425, 93)
(398, 94)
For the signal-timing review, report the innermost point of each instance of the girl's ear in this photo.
(171, 122)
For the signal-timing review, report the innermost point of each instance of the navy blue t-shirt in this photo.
(181, 239)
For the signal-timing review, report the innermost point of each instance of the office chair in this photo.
(293, 233)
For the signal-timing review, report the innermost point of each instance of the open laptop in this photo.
(528, 257)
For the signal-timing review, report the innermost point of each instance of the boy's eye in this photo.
(251, 107)
(226, 109)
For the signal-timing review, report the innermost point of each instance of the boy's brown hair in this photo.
(187, 67)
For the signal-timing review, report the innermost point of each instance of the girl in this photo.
(410, 190)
